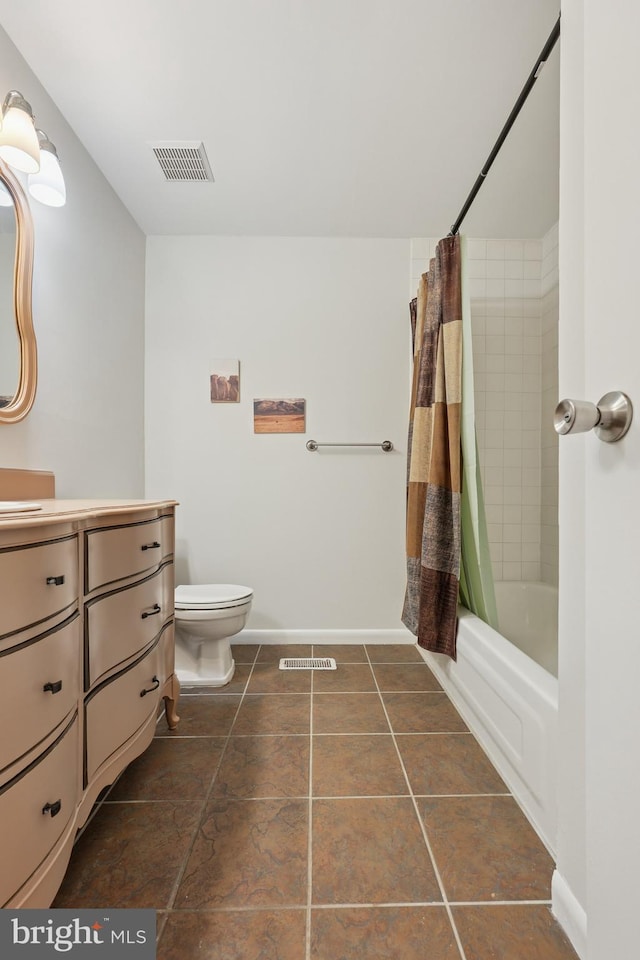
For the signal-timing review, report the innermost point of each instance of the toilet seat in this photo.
(211, 596)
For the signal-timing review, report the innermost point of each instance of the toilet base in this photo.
(204, 663)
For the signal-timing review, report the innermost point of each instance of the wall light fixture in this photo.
(30, 152)
(6, 200)
(47, 185)
(18, 138)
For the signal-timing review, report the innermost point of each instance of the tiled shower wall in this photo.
(549, 399)
(514, 312)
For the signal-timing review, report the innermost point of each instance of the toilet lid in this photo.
(210, 595)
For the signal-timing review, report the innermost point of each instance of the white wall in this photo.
(88, 304)
(319, 536)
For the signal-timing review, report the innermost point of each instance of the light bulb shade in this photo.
(19, 145)
(47, 185)
(6, 200)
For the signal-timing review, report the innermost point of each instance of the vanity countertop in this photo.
(49, 511)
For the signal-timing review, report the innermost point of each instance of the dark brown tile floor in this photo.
(321, 816)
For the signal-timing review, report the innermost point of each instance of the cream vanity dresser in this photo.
(86, 661)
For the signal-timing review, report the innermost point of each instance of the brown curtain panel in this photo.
(434, 457)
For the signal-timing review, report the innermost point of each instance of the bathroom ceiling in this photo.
(367, 118)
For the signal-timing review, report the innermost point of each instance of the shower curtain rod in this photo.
(524, 93)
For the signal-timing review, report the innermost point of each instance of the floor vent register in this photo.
(307, 663)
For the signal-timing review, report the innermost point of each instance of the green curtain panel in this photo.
(477, 591)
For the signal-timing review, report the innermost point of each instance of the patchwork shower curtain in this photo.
(447, 544)
(434, 455)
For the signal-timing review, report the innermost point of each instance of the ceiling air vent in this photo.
(183, 162)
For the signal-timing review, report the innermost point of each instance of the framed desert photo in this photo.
(224, 381)
(279, 416)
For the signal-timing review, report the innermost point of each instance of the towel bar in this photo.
(386, 445)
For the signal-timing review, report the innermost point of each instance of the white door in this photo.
(599, 795)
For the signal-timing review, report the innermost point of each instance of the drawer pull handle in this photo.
(55, 581)
(52, 808)
(150, 546)
(151, 613)
(156, 683)
(53, 687)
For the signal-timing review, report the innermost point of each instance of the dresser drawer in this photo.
(40, 683)
(35, 808)
(127, 551)
(37, 582)
(123, 623)
(117, 710)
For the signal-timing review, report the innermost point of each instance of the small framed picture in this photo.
(279, 416)
(225, 381)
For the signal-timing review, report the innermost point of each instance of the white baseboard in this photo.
(324, 636)
(569, 913)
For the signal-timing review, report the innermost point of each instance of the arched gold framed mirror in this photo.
(18, 350)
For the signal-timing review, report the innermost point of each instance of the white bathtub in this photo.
(528, 616)
(510, 703)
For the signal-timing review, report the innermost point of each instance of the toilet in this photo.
(207, 615)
